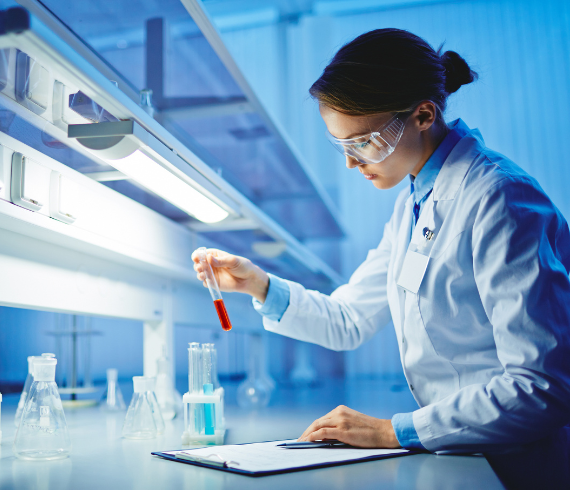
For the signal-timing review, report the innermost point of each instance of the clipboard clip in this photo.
(211, 459)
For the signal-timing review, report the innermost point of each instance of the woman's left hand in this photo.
(354, 428)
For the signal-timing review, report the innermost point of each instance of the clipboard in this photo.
(266, 458)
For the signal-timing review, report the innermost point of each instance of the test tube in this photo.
(214, 290)
(207, 363)
(194, 368)
(214, 355)
(195, 386)
(209, 413)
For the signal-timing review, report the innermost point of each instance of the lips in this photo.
(370, 176)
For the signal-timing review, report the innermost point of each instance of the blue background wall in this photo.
(521, 49)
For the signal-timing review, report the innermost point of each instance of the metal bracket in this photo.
(55, 199)
(17, 195)
(177, 108)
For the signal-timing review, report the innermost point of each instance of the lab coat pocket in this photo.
(449, 301)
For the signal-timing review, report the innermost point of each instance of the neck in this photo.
(431, 139)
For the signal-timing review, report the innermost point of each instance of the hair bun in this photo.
(457, 71)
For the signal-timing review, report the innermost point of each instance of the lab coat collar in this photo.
(458, 162)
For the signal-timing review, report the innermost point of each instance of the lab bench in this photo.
(100, 458)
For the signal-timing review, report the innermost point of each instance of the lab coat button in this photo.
(412, 387)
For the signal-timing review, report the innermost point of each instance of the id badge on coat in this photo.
(415, 265)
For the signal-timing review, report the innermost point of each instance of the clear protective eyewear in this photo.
(372, 147)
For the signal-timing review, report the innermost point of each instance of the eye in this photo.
(360, 146)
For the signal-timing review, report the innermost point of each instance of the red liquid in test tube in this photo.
(223, 314)
(214, 290)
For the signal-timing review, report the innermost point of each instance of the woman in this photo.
(472, 268)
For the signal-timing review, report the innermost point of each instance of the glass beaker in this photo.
(42, 433)
(140, 422)
(113, 398)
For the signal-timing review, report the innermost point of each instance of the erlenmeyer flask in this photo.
(42, 433)
(156, 413)
(25, 391)
(139, 422)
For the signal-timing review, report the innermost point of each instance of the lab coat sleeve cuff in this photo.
(277, 300)
(422, 426)
(403, 424)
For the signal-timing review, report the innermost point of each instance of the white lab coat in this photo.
(485, 344)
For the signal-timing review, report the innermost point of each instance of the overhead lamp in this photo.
(132, 150)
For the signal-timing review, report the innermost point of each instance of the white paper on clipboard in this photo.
(267, 456)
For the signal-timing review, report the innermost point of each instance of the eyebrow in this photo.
(353, 135)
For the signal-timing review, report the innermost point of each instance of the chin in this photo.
(384, 184)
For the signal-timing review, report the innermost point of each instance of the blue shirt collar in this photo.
(423, 183)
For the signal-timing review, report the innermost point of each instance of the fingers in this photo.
(353, 428)
(217, 258)
(316, 425)
(200, 271)
(325, 433)
(209, 252)
(333, 419)
(226, 260)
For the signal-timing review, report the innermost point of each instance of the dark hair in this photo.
(389, 70)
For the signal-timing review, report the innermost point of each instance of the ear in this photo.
(425, 114)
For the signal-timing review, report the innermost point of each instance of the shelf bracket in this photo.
(17, 192)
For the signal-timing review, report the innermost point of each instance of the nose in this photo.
(351, 162)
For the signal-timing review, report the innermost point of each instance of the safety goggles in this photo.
(372, 147)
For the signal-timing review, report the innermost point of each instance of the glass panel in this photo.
(239, 146)
(117, 32)
(247, 153)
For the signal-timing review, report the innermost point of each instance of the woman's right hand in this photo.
(234, 273)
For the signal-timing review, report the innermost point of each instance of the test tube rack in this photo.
(193, 401)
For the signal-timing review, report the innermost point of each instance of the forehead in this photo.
(343, 126)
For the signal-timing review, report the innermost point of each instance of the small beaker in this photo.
(42, 433)
(113, 398)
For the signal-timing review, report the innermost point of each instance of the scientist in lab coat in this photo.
(472, 267)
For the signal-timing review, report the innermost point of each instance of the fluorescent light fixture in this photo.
(135, 152)
(140, 167)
